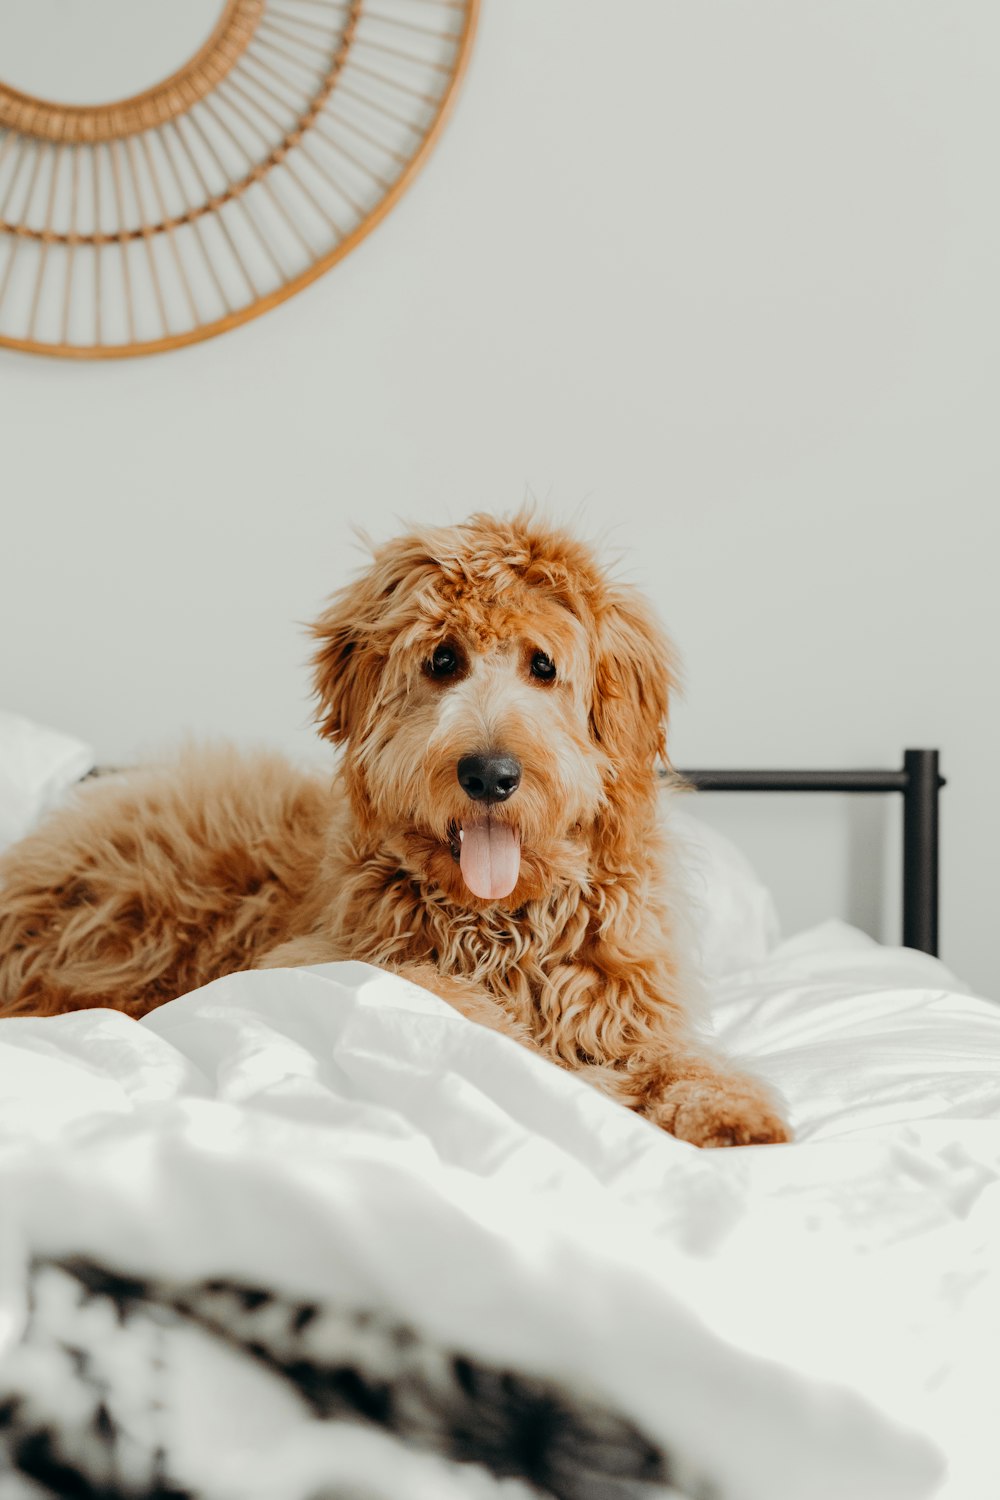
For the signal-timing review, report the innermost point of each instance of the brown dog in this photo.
(492, 832)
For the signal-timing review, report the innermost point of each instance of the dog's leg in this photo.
(624, 1019)
(672, 1079)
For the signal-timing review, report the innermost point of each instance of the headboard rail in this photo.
(919, 780)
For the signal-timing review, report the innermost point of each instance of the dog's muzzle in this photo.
(490, 852)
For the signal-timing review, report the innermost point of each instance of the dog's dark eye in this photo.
(444, 662)
(543, 667)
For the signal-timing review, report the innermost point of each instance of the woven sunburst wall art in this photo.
(175, 213)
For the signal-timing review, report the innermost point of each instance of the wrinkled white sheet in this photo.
(818, 1320)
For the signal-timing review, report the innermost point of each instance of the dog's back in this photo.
(152, 882)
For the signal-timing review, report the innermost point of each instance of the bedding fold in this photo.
(340, 1139)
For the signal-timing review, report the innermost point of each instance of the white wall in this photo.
(718, 279)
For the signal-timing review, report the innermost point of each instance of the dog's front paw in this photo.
(721, 1110)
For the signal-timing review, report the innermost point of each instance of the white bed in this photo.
(817, 1320)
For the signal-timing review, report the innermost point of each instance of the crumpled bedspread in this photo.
(311, 1233)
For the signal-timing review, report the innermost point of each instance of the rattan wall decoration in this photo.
(161, 219)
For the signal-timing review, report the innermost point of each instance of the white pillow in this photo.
(37, 767)
(734, 920)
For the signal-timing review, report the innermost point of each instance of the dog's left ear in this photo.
(636, 672)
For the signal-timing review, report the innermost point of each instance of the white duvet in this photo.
(817, 1320)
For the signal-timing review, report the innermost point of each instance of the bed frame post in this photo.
(920, 849)
(919, 782)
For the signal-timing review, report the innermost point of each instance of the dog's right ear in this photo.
(345, 670)
(354, 634)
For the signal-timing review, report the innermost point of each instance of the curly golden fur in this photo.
(156, 881)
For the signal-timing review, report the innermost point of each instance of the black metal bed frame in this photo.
(919, 781)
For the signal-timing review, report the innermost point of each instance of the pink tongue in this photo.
(491, 859)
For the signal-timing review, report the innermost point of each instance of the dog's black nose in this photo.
(489, 778)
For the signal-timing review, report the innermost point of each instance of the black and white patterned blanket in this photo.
(112, 1390)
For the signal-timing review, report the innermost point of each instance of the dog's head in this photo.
(502, 706)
